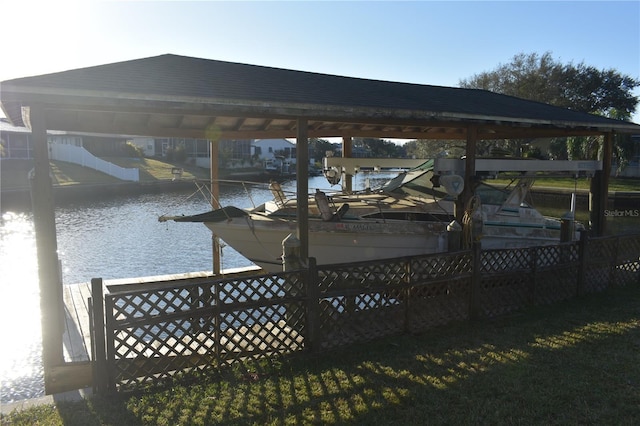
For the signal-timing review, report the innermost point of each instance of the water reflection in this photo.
(121, 237)
(20, 358)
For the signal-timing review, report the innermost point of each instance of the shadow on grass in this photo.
(570, 363)
(98, 410)
(574, 362)
(69, 173)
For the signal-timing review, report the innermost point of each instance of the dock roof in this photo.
(172, 95)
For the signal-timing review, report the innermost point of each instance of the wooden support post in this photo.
(302, 179)
(406, 294)
(599, 190)
(51, 298)
(533, 275)
(313, 308)
(469, 173)
(607, 158)
(347, 152)
(594, 203)
(100, 376)
(215, 204)
(582, 267)
(476, 280)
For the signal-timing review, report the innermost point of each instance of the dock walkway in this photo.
(77, 337)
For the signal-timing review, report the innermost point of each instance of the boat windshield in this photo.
(416, 182)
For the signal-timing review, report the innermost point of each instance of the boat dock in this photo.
(76, 341)
(77, 335)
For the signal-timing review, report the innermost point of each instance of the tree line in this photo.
(541, 78)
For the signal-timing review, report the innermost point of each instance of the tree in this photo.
(380, 148)
(318, 149)
(527, 76)
(424, 148)
(578, 87)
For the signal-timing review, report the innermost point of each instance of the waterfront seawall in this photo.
(21, 198)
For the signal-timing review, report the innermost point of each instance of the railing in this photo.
(153, 332)
(79, 155)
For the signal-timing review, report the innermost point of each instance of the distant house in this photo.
(195, 151)
(146, 144)
(17, 144)
(193, 148)
(275, 154)
(15, 141)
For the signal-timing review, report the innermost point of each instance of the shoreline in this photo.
(21, 198)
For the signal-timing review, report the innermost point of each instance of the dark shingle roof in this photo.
(183, 79)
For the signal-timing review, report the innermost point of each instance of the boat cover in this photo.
(218, 215)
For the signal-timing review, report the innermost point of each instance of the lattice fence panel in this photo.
(556, 284)
(359, 317)
(438, 303)
(265, 331)
(155, 333)
(386, 273)
(627, 268)
(556, 273)
(504, 293)
(262, 316)
(627, 273)
(438, 266)
(501, 261)
(554, 256)
(598, 260)
(362, 303)
(157, 350)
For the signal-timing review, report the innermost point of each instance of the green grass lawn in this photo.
(14, 173)
(153, 169)
(570, 363)
(615, 184)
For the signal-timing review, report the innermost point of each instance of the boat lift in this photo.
(352, 166)
(488, 167)
(447, 168)
(493, 167)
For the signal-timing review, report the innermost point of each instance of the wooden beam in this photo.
(302, 183)
(214, 146)
(51, 294)
(69, 377)
(607, 159)
(469, 173)
(347, 152)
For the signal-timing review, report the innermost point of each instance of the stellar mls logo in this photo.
(622, 213)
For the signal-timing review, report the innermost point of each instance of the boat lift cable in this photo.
(437, 202)
(199, 190)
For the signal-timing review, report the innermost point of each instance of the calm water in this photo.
(118, 238)
(115, 238)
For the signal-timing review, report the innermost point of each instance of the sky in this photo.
(423, 42)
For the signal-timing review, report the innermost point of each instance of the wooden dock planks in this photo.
(77, 336)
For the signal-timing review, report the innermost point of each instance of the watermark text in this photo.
(622, 213)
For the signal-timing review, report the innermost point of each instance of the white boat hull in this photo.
(259, 239)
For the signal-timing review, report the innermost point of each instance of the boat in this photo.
(410, 215)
